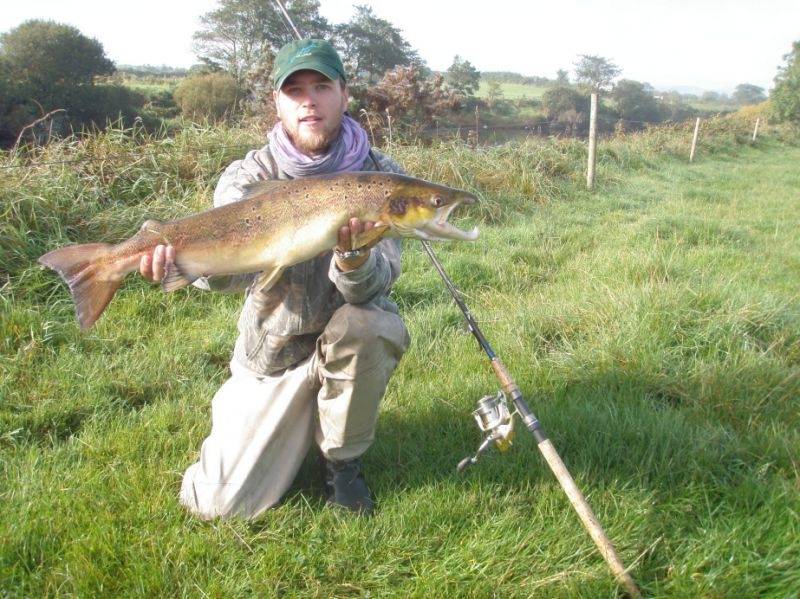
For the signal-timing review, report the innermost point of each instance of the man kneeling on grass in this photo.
(315, 351)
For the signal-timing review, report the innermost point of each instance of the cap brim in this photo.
(331, 74)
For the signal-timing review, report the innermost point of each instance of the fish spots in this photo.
(248, 221)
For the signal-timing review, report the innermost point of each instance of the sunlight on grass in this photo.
(654, 326)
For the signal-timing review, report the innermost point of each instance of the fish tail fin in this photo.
(90, 278)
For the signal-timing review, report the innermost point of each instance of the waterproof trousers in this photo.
(263, 426)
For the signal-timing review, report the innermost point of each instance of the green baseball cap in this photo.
(317, 55)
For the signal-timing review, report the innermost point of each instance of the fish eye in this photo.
(437, 201)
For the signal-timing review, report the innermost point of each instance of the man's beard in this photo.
(312, 143)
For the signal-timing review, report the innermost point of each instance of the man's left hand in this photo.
(346, 233)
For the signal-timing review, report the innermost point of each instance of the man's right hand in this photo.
(152, 266)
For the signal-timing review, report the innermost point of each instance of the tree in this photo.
(635, 101)
(52, 64)
(747, 93)
(786, 93)
(463, 77)
(46, 65)
(566, 106)
(596, 72)
(712, 96)
(236, 35)
(562, 77)
(370, 46)
(410, 97)
(494, 93)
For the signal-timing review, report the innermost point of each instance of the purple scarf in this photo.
(347, 152)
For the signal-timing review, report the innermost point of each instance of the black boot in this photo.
(345, 486)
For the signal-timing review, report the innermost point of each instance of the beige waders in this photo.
(262, 426)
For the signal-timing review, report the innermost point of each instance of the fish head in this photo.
(420, 209)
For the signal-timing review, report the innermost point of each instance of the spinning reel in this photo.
(496, 422)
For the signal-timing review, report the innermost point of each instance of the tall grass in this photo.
(654, 326)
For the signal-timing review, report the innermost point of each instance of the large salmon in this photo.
(275, 225)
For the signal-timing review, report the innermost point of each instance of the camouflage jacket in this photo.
(279, 327)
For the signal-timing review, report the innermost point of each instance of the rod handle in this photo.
(588, 518)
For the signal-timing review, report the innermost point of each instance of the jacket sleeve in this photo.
(376, 276)
(230, 188)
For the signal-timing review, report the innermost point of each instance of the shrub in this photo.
(212, 96)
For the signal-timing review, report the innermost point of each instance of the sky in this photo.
(678, 44)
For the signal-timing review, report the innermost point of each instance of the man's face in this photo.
(310, 107)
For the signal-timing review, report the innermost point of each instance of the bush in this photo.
(212, 96)
(786, 94)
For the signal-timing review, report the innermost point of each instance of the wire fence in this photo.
(475, 134)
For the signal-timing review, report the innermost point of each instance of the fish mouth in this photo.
(438, 229)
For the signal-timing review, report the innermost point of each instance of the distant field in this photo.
(151, 86)
(515, 91)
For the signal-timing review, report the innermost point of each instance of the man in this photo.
(315, 352)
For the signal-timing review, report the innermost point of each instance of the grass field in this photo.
(514, 91)
(653, 324)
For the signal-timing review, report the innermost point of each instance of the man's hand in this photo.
(152, 266)
(346, 233)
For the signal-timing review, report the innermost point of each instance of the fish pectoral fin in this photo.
(369, 238)
(267, 279)
(174, 278)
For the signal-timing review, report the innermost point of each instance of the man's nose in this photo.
(309, 99)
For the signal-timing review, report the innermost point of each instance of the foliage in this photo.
(596, 72)
(412, 99)
(562, 77)
(235, 35)
(714, 97)
(494, 94)
(207, 97)
(8, 90)
(46, 65)
(371, 46)
(786, 93)
(463, 77)
(635, 102)
(747, 93)
(567, 107)
(47, 57)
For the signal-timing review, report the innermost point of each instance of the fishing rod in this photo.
(494, 419)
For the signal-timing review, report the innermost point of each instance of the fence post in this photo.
(694, 139)
(592, 142)
(755, 131)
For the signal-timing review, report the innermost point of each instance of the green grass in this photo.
(514, 91)
(653, 324)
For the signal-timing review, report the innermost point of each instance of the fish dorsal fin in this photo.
(258, 188)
